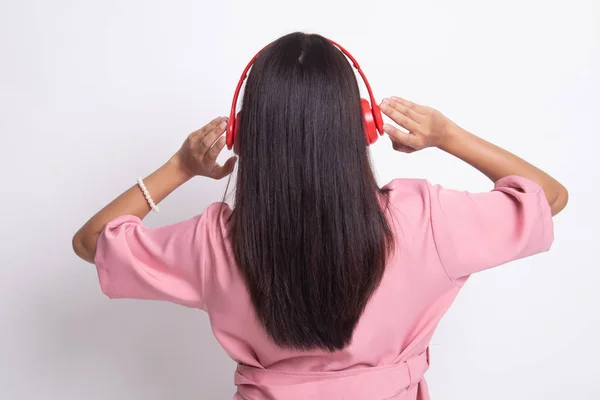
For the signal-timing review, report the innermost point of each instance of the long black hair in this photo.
(308, 229)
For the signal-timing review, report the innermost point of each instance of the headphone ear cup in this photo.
(231, 131)
(369, 122)
(378, 117)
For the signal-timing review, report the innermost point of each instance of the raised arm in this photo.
(428, 127)
(197, 156)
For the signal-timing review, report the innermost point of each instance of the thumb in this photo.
(221, 171)
(401, 138)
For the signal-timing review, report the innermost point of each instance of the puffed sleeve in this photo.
(164, 263)
(476, 231)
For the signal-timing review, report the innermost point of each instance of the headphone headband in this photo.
(360, 71)
(373, 105)
(239, 87)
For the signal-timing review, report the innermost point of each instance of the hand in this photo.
(198, 154)
(426, 126)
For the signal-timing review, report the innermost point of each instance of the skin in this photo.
(197, 156)
(426, 127)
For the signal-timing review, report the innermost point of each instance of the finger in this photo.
(221, 171)
(404, 109)
(400, 138)
(214, 151)
(200, 133)
(404, 121)
(212, 135)
(413, 106)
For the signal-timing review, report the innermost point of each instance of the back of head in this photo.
(307, 230)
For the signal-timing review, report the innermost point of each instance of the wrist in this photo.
(178, 169)
(454, 134)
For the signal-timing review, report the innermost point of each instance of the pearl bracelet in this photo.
(153, 206)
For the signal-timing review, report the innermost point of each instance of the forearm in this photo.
(496, 163)
(160, 184)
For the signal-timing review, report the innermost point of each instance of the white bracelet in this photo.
(153, 206)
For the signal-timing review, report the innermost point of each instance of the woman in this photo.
(318, 283)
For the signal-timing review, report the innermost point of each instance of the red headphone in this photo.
(373, 120)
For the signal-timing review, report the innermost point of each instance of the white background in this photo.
(94, 94)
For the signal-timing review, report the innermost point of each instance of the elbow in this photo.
(81, 249)
(560, 200)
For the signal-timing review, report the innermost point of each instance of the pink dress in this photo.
(442, 237)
